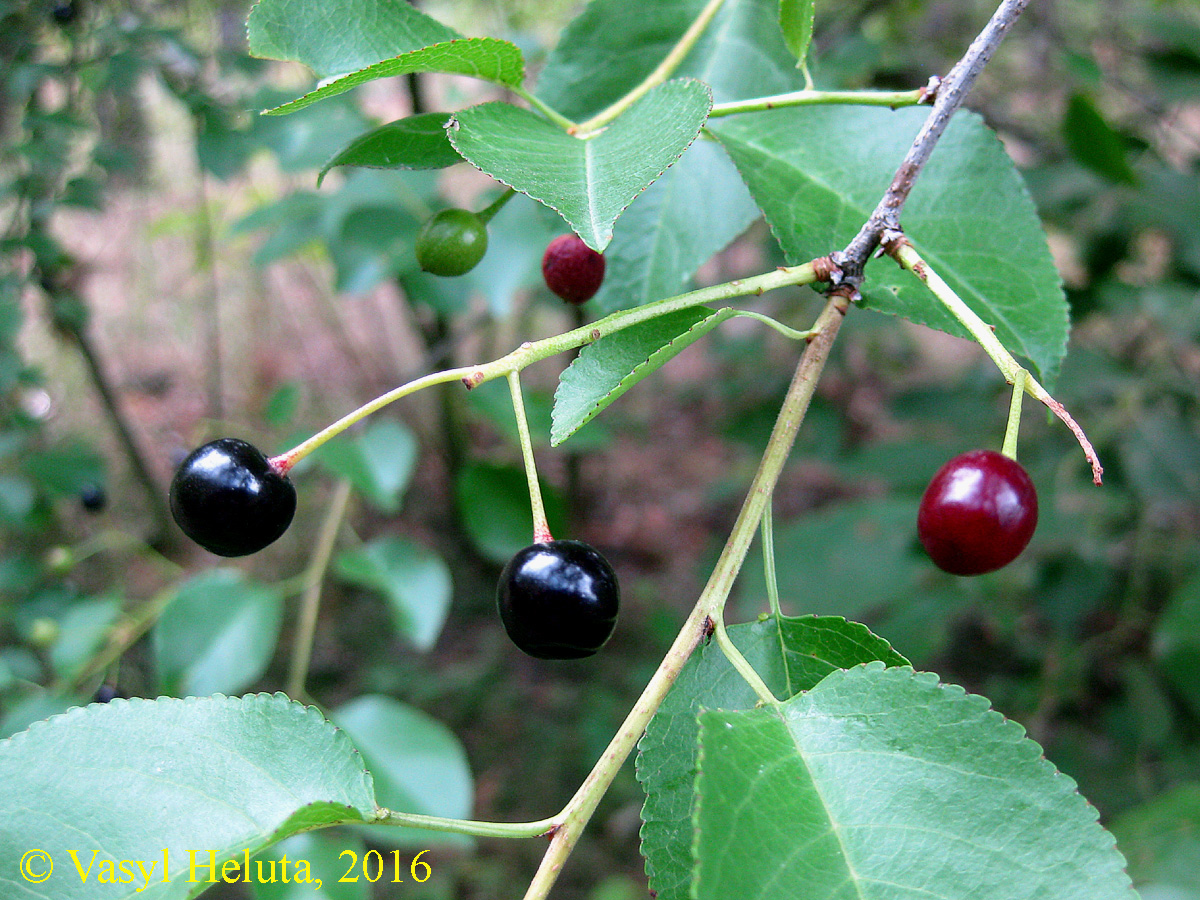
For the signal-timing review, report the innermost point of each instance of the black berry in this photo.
(452, 242)
(558, 600)
(92, 497)
(228, 499)
(64, 13)
(572, 269)
(978, 513)
(106, 693)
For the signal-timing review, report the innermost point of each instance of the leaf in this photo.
(217, 635)
(82, 630)
(1094, 143)
(607, 368)
(379, 462)
(414, 580)
(866, 553)
(796, 22)
(137, 779)
(883, 783)
(1161, 840)
(817, 173)
(418, 765)
(415, 142)
(489, 59)
(493, 504)
(791, 655)
(699, 204)
(693, 211)
(337, 37)
(612, 45)
(588, 181)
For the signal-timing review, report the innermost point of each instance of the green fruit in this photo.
(452, 242)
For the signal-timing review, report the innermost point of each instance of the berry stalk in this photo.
(541, 528)
(905, 254)
(1013, 428)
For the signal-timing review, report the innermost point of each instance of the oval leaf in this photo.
(418, 765)
(796, 21)
(378, 462)
(589, 182)
(791, 655)
(818, 173)
(880, 783)
(489, 59)
(415, 142)
(415, 581)
(336, 37)
(217, 635)
(165, 779)
(606, 369)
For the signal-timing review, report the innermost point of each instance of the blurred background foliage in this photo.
(170, 273)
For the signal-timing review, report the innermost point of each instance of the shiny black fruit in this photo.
(228, 499)
(558, 600)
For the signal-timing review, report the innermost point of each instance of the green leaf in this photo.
(325, 859)
(414, 580)
(486, 58)
(1161, 840)
(418, 765)
(693, 211)
(493, 504)
(415, 142)
(337, 37)
(588, 181)
(607, 368)
(796, 22)
(134, 779)
(612, 45)
(817, 173)
(217, 635)
(82, 630)
(791, 655)
(700, 204)
(379, 462)
(1094, 143)
(883, 783)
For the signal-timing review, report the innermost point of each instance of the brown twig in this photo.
(949, 97)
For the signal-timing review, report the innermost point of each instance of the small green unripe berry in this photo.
(452, 242)
(43, 632)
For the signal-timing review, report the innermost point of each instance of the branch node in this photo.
(826, 270)
(473, 380)
(929, 93)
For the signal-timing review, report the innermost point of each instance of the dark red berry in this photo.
(978, 513)
(451, 243)
(558, 600)
(572, 269)
(228, 498)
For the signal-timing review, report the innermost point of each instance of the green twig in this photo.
(531, 352)
(768, 552)
(546, 110)
(890, 99)
(464, 826)
(314, 577)
(661, 73)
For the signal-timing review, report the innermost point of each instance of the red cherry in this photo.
(978, 513)
(572, 269)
